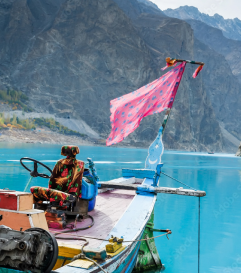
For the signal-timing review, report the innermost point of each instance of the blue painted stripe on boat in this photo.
(62, 258)
(138, 173)
(132, 261)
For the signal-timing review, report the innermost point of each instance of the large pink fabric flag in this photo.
(128, 110)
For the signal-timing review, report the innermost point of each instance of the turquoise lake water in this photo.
(219, 175)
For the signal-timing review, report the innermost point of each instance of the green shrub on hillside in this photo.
(31, 124)
(16, 99)
(55, 126)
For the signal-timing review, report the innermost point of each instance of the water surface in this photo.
(219, 175)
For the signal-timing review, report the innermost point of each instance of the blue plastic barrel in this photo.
(89, 190)
(91, 204)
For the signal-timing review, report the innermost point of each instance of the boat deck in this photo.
(110, 206)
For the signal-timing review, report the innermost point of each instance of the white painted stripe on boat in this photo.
(30, 221)
(32, 211)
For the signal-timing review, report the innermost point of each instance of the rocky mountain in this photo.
(215, 39)
(239, 151)
(71, 57)
(219, 82)
(150, 4)
(134, 8)
(231, 28)
(225, 91)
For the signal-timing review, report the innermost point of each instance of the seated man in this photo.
(65, 181)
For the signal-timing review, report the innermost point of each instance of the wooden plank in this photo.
(81, 263)
(120, 180)
(26, 202)
(23, 219)
(15, 200)
(15, 220)
(135, 216)
(138, 173)
(178, 191)
(110, 207)
(152, 248)
(29, 211)
(39, 220)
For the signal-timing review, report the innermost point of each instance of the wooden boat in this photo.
(119, 240)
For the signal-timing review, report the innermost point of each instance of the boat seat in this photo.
(45, 194)
(65, 183)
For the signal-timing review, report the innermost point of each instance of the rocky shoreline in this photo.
(41, 136)
(45, 136)
(239, 151)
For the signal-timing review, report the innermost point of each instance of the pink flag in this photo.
(128, 110)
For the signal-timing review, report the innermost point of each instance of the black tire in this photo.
(54, 257)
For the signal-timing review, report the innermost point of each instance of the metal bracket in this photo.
(157, 175)
(145, 189)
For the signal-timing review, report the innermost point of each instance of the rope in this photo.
(96, 264)
(77, 229)
(104, 240)
(83, 256)
(178, 181)
(199, 233)
(26, 187)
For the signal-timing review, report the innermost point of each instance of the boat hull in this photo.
(124, 262)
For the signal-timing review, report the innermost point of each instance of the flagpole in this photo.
(157, 146)
(187, 61)
(168, 112)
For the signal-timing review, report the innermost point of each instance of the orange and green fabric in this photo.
(44, 194)
(68, 173)
(66, 178)
(70, 151)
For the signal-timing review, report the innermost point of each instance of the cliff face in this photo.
(222, 87)
(231, 28)
(71, 57)
(74, 62)
(134, 8)
(214, 38)
(192, 117)
(221, 35)
(239, 151)
(221, 75)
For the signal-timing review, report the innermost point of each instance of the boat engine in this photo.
(34, 250)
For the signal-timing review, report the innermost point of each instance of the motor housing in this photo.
(34, 250)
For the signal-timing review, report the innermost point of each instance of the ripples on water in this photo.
(219, 175)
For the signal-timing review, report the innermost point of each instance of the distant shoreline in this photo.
(44, 136)
(41, 137)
